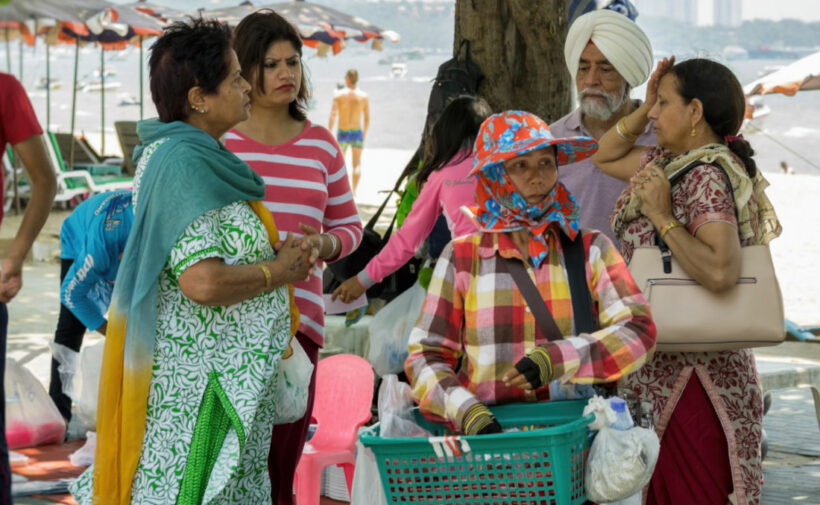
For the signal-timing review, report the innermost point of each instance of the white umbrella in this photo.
(802, 75)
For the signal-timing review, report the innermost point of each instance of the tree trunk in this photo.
(519, 45)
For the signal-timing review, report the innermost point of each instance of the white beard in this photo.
(600, 109)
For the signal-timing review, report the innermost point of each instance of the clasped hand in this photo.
(299, 254)
(652, 186)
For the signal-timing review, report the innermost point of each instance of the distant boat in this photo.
(97, 85)
(126, 99)
(108, 72)
(414, 54)
(398, 70)
(53, 83)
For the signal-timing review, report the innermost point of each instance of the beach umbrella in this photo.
(802, 75)
(17, 21)
(319, 26)
(325, 28)
(163, 14)
(230, 15)
(111, 26)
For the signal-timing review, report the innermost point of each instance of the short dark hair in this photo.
(453, 132)
(251, 39)
(353, 75)
(724, 103)
(188, 54)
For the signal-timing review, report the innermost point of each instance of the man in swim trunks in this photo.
(352, 106)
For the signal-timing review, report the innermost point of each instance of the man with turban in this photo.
(608, 55)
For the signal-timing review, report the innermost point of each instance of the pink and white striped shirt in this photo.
(305, 182)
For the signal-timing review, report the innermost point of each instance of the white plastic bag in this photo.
(395, 406)
(84, 456)
(620, 463)
(390, 330)
(367, 483)
(293, 384)
(80, 375)
(31, 417)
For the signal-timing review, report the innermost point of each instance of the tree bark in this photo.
(519, 45)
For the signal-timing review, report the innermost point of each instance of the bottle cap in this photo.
(617, 404)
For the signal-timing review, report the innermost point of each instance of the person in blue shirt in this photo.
(92, 240)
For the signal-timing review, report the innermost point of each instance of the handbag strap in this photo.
(666, 254)
(375, 218)
(578, 289)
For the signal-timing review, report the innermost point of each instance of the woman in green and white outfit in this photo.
(202, 312)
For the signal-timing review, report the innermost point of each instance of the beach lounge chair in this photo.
(85, 157)
(76, 183)
(9, 170)
(127, 135)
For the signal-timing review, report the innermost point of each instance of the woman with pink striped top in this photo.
(445, 187)
(306, 190)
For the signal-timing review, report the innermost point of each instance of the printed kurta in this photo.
(211, 362)
(729, 377)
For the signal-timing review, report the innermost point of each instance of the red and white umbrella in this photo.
(319, 26)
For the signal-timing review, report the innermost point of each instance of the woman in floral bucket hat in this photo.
(476, 342)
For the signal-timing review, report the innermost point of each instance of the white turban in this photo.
(622, 41)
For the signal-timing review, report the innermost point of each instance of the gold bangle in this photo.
(668, 226)
(266, 271)
(620, 129)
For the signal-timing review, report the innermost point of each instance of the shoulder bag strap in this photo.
(543, 319)
(666, 254)
(373, 220)
(575, 259)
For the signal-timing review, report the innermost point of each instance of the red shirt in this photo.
(18, 121)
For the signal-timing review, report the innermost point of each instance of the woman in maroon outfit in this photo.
(708, 407)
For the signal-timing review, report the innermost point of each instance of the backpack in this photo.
(455, 77)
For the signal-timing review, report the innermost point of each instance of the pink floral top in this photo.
(701, 196)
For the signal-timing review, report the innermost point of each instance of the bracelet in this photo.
(334, 243)
(266, 271)
(668, 226)
(620, 129)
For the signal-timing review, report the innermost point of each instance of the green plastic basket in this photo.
(543, 464)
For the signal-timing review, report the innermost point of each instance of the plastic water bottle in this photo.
(623, 421)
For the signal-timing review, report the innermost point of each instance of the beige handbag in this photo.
(691, 318)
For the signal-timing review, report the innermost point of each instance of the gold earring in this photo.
(693, 132)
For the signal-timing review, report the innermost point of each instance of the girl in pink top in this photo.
(445, 187)
(306, 191)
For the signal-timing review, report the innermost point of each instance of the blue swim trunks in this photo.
(352, 138)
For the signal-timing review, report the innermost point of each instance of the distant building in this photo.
(728, 12)
(681, 10)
